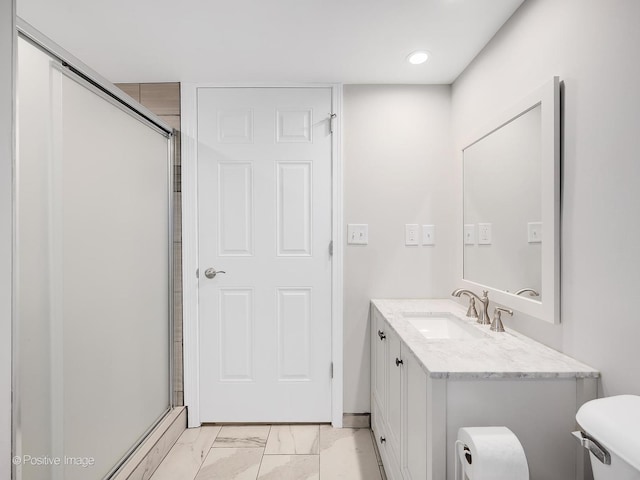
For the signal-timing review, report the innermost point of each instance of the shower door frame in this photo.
(7, 158)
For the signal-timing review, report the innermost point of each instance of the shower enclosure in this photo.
(92, 269)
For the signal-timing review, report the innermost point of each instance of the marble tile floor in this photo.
(272, 452)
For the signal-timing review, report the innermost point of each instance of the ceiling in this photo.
(269, 41)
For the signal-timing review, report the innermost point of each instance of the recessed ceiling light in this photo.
(418, 57)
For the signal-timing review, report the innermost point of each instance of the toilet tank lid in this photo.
(614, 422)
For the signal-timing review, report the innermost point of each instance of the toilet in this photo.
(611, 433)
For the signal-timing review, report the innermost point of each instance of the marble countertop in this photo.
(495, 355)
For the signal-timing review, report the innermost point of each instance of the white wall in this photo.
(6, 189)
(593, 46)
(397, 170)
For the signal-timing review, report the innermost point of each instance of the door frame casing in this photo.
(189, 181)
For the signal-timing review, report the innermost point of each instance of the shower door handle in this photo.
(211, 272)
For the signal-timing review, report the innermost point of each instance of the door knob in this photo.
(211, 272)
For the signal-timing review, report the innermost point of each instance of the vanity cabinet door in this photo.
(395, 365)
(379, 360)
(414, 441)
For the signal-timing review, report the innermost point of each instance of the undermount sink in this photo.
(442, 326)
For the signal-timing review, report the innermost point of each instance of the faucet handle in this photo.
(471, 311)
(496, 325)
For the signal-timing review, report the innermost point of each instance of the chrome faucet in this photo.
(483, 317)
(471, 311)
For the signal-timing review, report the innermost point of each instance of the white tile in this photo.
(347, 454)
(187, 455)
(344, 454)
(231, 464)
(293, 440)
(242, 436)
(290, 467)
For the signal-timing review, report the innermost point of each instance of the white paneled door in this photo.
(264, 206)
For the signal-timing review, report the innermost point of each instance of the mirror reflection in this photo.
(503, 208)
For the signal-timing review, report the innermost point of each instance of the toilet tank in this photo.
(614, 424)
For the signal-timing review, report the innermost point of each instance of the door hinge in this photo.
(331, 369)
(332, 117)
(197, 273)
(331, 248)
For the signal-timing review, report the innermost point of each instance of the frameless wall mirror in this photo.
(511, 206)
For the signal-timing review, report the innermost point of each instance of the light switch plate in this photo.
(357, 234)
(411, 234)
(470, 234)
(484, 234)
(534, 232)
(428, 234)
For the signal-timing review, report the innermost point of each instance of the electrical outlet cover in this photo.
(484, 234)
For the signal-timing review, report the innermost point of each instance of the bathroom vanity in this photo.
(434, 370)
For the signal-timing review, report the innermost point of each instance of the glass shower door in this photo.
(93, 269)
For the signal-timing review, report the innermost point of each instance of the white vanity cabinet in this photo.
(385, 346)
(394, 393)
(423, 391)
(414, 431)
(379, 360)
(399, 396)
